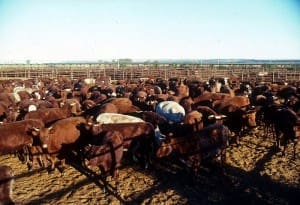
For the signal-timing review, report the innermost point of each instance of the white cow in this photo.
(117, 118)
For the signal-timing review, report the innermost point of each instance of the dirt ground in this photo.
(255, 173)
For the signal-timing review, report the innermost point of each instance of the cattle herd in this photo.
(98, 126)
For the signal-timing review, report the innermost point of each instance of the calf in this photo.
(186, 148)
(6, 183)
(214, 141)
(107, 156)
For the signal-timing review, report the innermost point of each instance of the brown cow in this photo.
(123, 104)
(206, 112)
(286, 124)
(210, 142)
(207, 96)
(237, 119)
(6, 185)
(62, 137)
(150, 116)
(15, 135)
(108, 155)
(136, 136)
(194, 119)
(48, 115)
(129, 130)
(186, 148)
(237, 101)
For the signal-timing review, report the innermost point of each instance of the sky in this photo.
(75, 30)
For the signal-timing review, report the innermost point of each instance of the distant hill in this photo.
(169, 61)
(222, 61)
(194, 61)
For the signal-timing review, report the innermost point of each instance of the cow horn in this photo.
(36, 129)
(210, 117)
(49, 128)
(218, 117)
(249, 111)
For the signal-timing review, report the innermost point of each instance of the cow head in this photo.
(89, 123)
(96, 128)
(249, 116)
(218, 119)
(45, 136)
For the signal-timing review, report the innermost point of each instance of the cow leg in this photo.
(26, 154)
(294, 148)
(134, 150)
(278, 136)
(223, 157)
(29, 157)
(265, 128)
(195, 165)
(6, 183)
(103, 178)
(47, 159)
(273, 132)
(237, 138)
(41, 160)
(36, 153)
(21, 156)
(116, 178)
(52, 160)
(62, 166)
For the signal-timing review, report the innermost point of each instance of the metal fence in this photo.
(269, 73)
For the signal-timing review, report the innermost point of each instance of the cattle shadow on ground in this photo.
(24, 175)
(90, 178)
(232, 186)
(98, 180)
(213, 186)
(59, 194)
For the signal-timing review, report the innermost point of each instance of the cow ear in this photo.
(231, 108)
(164, 151)
(168, 150)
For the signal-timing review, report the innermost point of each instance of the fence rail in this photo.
(269, 73)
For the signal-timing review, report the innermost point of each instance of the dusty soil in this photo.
(255, 173)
